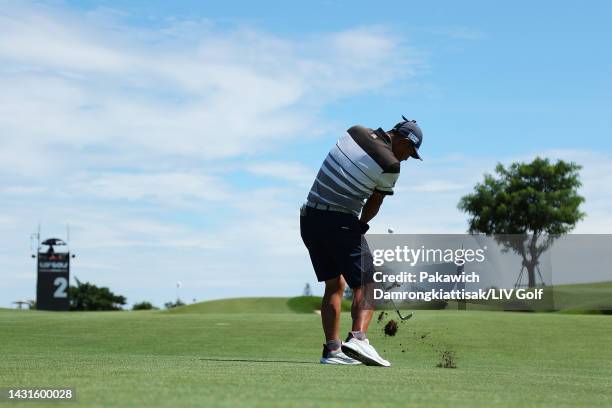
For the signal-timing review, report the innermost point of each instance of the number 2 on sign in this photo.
(61, 284)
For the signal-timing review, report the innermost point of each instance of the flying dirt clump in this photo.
(381, 316)
(391, 328)
(447, 359)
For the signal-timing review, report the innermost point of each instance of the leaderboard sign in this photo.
(53, 278)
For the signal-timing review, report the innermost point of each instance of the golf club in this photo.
(408, 316)
(391, 230)
(397, 310)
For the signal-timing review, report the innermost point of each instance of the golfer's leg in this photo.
(361, 315)
(357, 345)
(331, 307)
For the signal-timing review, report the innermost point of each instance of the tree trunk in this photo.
(533, 262)
(531, 274)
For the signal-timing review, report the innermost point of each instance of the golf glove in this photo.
(363, 227)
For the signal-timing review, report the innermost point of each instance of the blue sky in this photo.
(181, 137)
(540, 62)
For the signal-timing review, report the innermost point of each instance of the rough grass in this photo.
(584, 298)
(300, 304)
(308, 304)
(236, 305)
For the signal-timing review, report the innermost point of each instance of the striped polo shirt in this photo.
(361, 161)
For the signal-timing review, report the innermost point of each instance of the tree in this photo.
(170, 305)
(526, 207)
(86, 296)
(143, 306)
(307, 291)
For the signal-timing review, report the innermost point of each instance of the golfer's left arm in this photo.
(383, 188)
(371, 207)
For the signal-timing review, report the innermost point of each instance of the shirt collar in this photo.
(383, 135)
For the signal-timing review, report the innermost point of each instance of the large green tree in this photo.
(526, 207)
(87, 296)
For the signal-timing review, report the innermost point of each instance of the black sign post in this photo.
(53, 279)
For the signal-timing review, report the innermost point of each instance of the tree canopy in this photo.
(526, 206)
(87, 296)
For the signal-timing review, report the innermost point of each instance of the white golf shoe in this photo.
(336, 357)
(362, 350)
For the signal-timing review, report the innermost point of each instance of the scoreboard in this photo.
(53, 279)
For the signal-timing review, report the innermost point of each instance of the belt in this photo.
(327, 207)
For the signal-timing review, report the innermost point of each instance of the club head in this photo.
(408, 316)
(392, 286)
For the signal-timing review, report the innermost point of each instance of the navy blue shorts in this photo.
(336, 248)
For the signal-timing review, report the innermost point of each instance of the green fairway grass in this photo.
(190, 358)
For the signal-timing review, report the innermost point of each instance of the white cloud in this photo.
(596, 177)
(22, 190)
(168, 187)
(255, 247)
(434, 186)
(289, 171)
(132, 135)
(70, 80)
(36, 41)
(428, 191)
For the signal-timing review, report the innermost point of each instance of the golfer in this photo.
(357, 174)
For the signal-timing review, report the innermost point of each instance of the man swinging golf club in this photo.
(359, 171)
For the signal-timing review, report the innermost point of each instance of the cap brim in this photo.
(416, 155)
